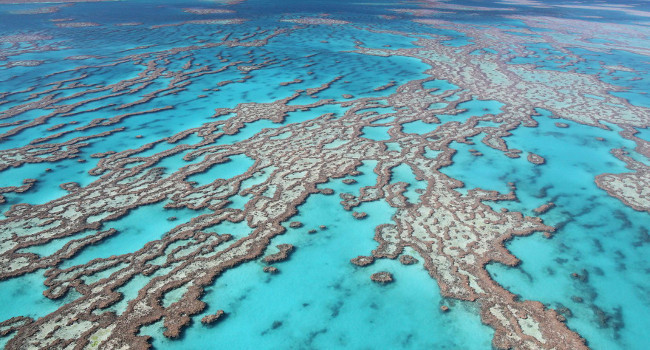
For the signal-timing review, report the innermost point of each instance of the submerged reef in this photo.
(205, 112)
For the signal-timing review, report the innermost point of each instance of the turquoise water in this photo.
(376, 133)
(319, 299)
(134, 231)
(332, 303)
(26, 294)
(473, 108)
(404, 173)
(230, 168)
(644, 134)
(598, 234)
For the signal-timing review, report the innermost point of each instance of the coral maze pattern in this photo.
(455, 235)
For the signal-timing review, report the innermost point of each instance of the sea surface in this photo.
(320, 300)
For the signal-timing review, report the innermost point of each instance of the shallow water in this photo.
(598, 233)
(319, 299)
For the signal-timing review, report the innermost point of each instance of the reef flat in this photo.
(290, 174)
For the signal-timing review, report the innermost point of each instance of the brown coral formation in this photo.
(458, 221)
(382, 277)
(316, 21)
(536, 159)
(77, 24)
(295, 224)
(359, 215)
(70, 186)
(211, 319)
(283, 254)
(454, 235)
(206, 11)
(633, 189)
(362, 260)
(36, 11)
(295, 81)
(271, 269)
(544, 208)
(406, 259)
